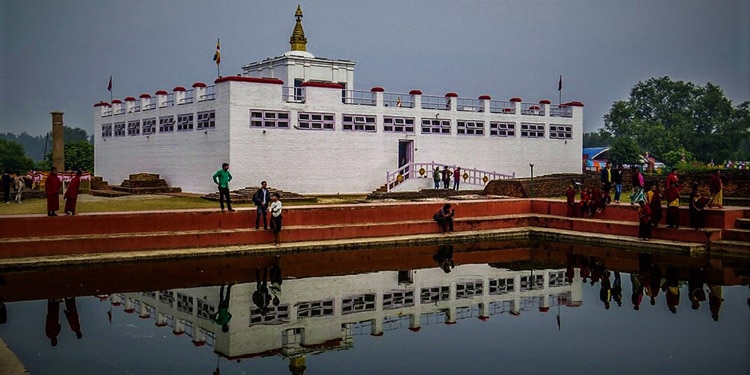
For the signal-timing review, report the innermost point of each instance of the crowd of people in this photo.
(647, 199)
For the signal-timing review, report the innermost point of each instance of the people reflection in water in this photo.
(444, 258)
(695, 287)
(605, 293)
(261, 295)
(222, 316)
(637, 296)
(276, 280)
(617, 289)
(71, 315)
(52, 325)
(671, 288)
(653, 277)
(715, 299)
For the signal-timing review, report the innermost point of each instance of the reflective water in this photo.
(511, 307)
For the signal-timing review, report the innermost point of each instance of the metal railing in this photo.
(435, 102)
(469, 105)
(209, 94)
(471, 176)
(502, 106)
(292, 94)
(398, 100)
(532, 109)
(560, 111)
(358, 97)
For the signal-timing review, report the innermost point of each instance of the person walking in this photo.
(617, 180)
(71, 195)
(261, 199)
(6, 180)
(637, 181)
(19, 184)
(456, 178)
(436, 177)
(222, 178)
(52, 190)
(276, 218)
(716, 188)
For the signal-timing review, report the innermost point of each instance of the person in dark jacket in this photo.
(261, 199)
(444, 218)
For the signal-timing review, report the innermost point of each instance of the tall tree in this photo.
(662, 115)
(599, 138)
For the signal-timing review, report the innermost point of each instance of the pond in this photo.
(466, 308)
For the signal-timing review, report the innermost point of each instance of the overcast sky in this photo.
(59, 54)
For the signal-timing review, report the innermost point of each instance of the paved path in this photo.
(9, 363)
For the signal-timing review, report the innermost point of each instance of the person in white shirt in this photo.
(276, 218)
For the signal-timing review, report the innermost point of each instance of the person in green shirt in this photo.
(222, 178)
(222, 316)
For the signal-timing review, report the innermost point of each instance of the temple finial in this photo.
(298, 41)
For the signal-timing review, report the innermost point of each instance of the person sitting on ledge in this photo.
(444, 218)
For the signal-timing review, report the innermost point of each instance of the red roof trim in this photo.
(451, 95)
(376, 334)
(178, 333)
(130, 99)
(574, 104)
(450, 323)
(485, 97)
(199, 343)
(102, 104)
(415, 92)
(543, 309)
(160, 324)
(545, 101)
(145, 96)
(129, 311)
(199, 84)
(117, 101)
(516, 100)
(483, 318)
(415, 329)
(266, 353)
(377, 89)
(161, 92)
(179, 88)
(144, 316)
(328, 85)
(274, 81)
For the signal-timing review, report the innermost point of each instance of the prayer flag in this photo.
(109, 86)
(217, 55)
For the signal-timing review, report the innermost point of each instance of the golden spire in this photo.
(298, 40)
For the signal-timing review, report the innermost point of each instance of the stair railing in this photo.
(471, 176)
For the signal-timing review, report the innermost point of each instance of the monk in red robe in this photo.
(71, 195)
(52, 325)
(52, 188)
(71, 314)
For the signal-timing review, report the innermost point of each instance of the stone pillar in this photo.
(58, 141)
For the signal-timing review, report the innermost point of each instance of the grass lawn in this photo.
(88, 203)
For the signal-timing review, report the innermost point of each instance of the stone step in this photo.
(109, 193)
(737, 235)
(743, 223)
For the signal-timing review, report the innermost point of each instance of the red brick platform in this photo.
(37, 235)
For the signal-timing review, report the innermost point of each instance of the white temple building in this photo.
(297, 121)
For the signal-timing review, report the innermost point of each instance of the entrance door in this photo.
(405, 154)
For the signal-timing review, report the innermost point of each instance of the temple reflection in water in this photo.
(324, 313)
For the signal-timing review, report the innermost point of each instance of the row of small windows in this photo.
(326, 121)
(185, 122)
(394, 124)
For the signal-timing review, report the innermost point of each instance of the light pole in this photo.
(531, 165)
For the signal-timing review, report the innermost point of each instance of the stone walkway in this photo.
(9, 363)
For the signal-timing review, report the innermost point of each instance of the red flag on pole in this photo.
(109, 86)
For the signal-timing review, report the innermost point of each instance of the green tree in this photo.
(624, 151)
(599, 138)
(13, 157)
(662, 115)
(79, 155)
